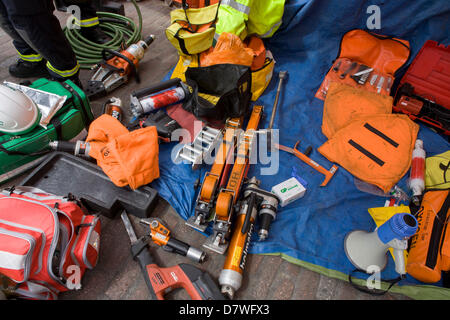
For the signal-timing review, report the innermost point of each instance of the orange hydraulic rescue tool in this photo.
(327, 173)
(216, 178)
(228, 196)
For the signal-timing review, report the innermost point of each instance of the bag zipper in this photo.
(29, 254)
(41, 251)
(55, 237)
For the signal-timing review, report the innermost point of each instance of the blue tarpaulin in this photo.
(312, 229)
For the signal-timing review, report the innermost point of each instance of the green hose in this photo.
(122, 30)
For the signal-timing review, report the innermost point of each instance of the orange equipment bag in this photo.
(366, 60)
(376, 149)
(228, 49)
(127, 158)
(429, 247)
(344, 102)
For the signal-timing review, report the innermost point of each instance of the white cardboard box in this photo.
(289, 191)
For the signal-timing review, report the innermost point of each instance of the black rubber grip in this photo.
(156, 88)
(140, 253)
(178, 246)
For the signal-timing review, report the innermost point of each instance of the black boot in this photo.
(26, 69)
(95, 34)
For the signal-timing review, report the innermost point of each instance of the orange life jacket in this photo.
(376, 149)
(127, 158)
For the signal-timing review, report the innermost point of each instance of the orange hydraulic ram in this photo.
(228, 196)
(211, 182)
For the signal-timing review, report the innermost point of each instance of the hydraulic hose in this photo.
(122, 30)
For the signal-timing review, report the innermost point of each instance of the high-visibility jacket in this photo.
(265, 17)
(248, 17)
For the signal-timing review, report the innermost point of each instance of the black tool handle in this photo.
(141, 254)
(157, 87)
(177, 246)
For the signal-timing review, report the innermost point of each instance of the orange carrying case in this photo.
(366, 60)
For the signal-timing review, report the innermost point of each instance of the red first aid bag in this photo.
(46, 242)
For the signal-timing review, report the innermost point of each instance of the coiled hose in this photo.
(122, 30)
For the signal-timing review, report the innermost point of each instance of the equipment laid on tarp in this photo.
(311, 231)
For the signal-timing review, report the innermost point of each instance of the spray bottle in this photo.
(417, 175)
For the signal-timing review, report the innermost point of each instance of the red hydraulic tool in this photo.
(198, 284)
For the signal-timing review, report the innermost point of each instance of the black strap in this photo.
(380, 134)
(56, 122)
(181, 42)
(82, 225)
(366, 152)
(84, 107)
(372, 291)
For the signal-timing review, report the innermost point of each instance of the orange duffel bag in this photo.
(425, 261)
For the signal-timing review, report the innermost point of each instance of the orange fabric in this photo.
(257, 45)
(228, 49)
(344, 102)
(376, 149)
(127, 158)
(385, 55)
(418, 266)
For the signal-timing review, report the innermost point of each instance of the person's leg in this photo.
(88, 22)
(30, 63)
(42, 31)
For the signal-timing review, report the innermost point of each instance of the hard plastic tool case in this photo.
(70, 122)
(424, 91)
(63, 174)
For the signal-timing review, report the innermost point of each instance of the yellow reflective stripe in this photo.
(87, 22)
(272, 30)
(237, 6)
(64, 73)
(30, 57)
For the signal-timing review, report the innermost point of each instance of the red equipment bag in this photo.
(424, 91)
(46, 242)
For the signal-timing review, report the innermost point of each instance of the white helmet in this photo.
(18, 113)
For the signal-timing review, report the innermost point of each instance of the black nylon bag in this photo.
(219, 91)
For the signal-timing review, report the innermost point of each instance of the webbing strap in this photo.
(241, 165)
(210, 182)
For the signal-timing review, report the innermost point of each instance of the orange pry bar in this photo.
(327, 173)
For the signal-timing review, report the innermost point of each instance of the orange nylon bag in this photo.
(228, 49)
(127, 158)
(425, 261)
(344, 102)
(359, 48)
(376, 149)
